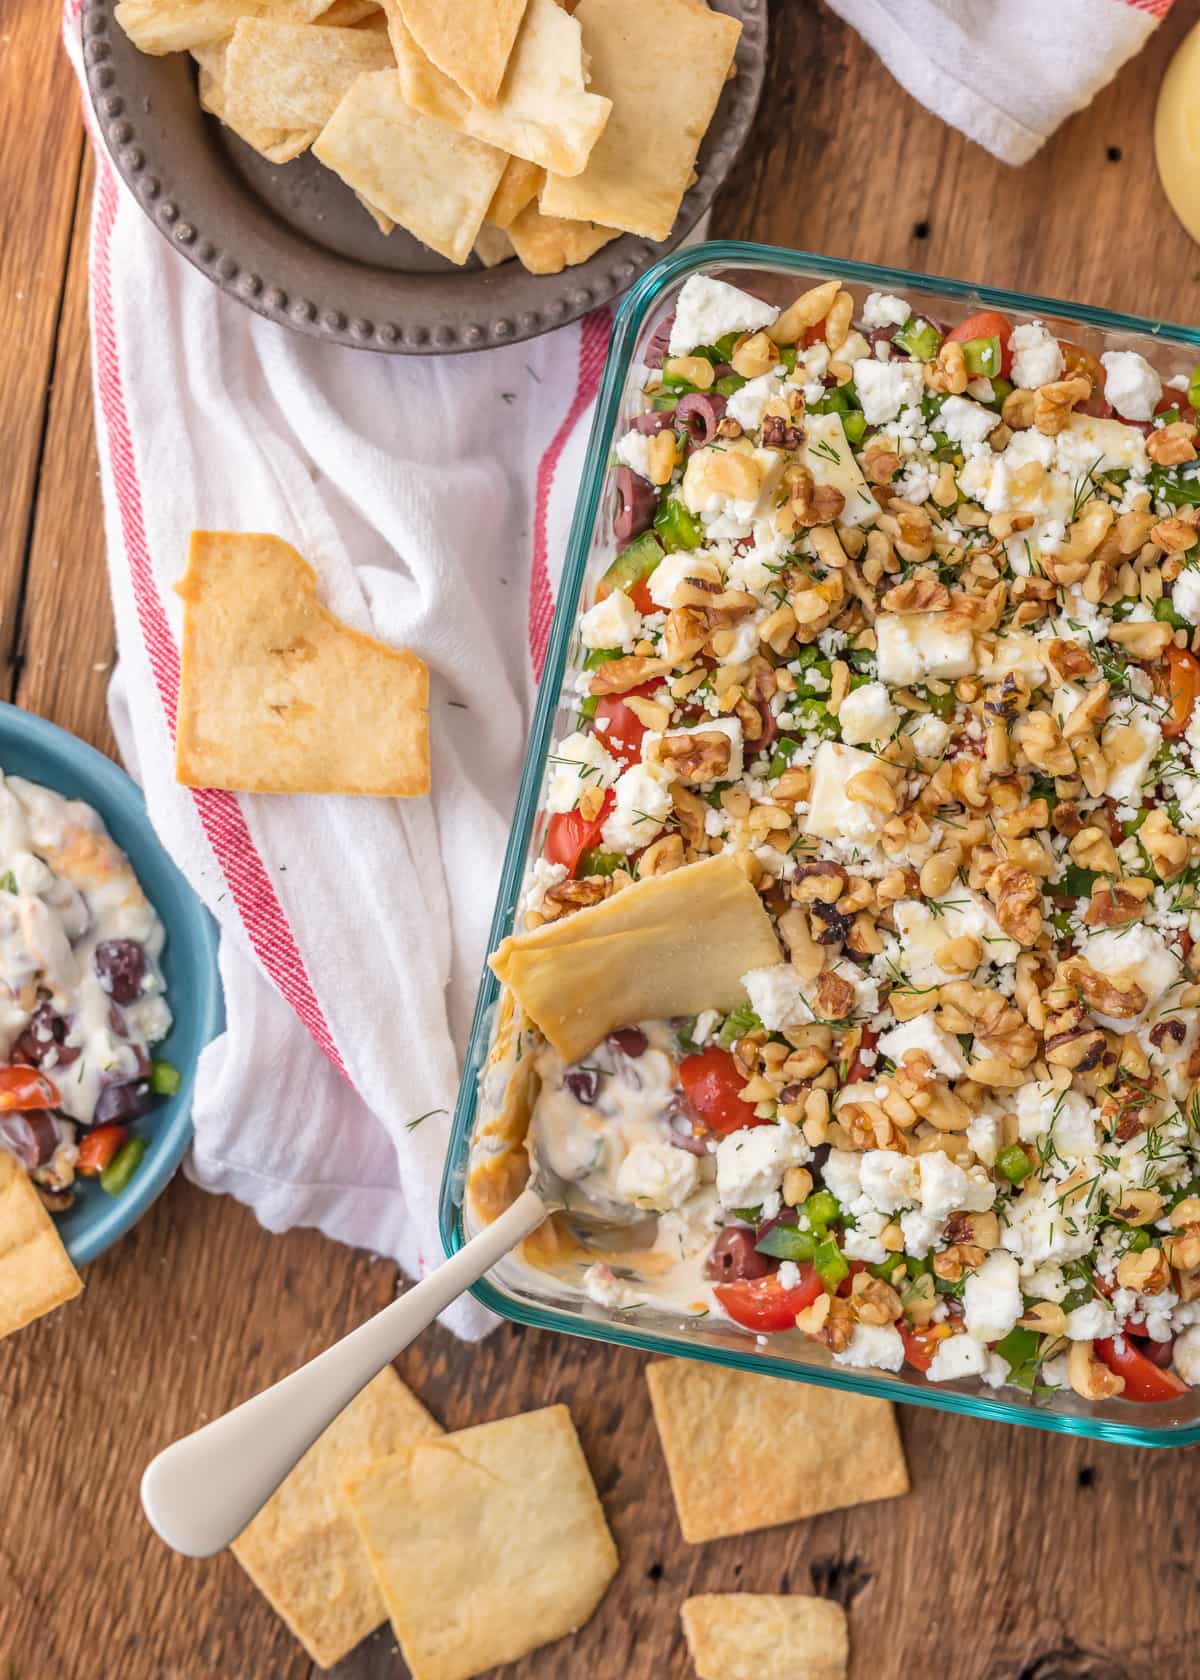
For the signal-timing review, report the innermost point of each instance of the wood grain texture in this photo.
(1002, 1562)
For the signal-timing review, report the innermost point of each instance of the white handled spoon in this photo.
(200, 1493)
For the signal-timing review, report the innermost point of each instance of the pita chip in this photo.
(36, 1274)
(471, 41)
(766, 1636)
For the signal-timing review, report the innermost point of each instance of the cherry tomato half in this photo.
(619, 728)
(1183, 689)
(1078, 360)
(641, 597)
(1143, 1379)
(764, 1304)
(98, 1148)
(920, 1346)
(711, 1083)
(570, 834)
(989, 323)
(25, 1087)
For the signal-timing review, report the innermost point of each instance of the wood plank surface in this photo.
(1018, 1555)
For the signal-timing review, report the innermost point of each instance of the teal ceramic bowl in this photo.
(41, 752)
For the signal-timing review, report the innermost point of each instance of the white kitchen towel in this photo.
(433, 497)
(1006, 72)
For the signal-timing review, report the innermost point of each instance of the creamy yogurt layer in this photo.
(82, 997)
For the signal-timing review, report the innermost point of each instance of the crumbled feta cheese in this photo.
(983, 1134)
(992, 1297)
(889, 1180)
(1133, 737)
(611, 623)
(1185, 595)
(873, 1346)
(751, 1163)
(657, 1176)
(958, 1356)
(1094, 1318)
(633, 451)
(1138, 953)
(925, 927)
(708, 309)
(842, 1174)
(929, 736)
(1039, 1229)
(578, 762)
(777, 996)
(946, 1188)
(966, 422)
(913, 646)
(643, 804)
(921, 1033)
(746, 405)
(1130, 384)
(882, 309)
(670, 572)
(831, 815)
(1065, 1116)
(1089, 444)
(1037, 359)
(884, 388)
(867, 715)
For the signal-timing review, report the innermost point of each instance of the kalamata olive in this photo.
(121, 965)
(700, 413)
(42, 1041)
(637, 502)
(631, 1040)
(583, 1083)
(734, 1256)
(649, 425)
(657, 350)
(786, 1216)
(123, 1102)
(32, 1137)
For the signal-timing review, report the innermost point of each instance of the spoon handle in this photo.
(200, 1493)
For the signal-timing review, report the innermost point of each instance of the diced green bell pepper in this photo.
(788, 357)
(918, 338)
(821, 1209)
(983, 357)
(1139, 1242)
(854, 425)
(743, 1020)
(164, 1079)
(832, 1266)
(728, 384)
(8, 881)
(1077, 882)
(596, 862)
(1165, 613)
(1013, 1164)
(1001, 388)
(785, 747)
(675, 526)
(633, 564)
(1019, 1350)
(123, 1165)
(785, 1242)
(941, 705)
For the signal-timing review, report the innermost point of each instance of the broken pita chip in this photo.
(431, 179)
(519, 185)
(303, 1551)
(639, 168)
(277, 145)
(672, 944)
(746, 1452)
(36, 1274)
(385, 224)
(467, 41)
(167, 26)
(765, 1636)
(348, 14)
(544, 114)
(548, 244)
(292, 76)
(276, 695)
(487, 1543)
(493, 246)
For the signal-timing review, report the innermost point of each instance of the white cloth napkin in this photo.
(1006, 72)
(433, 498)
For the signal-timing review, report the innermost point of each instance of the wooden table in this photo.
(1018, 1555)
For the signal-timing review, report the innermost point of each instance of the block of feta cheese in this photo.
(914, 646)
(923, 930)
(868, 716)
(831, 814)
(708, 309)
(827, 454)
(751, 1163)
(1130, 384)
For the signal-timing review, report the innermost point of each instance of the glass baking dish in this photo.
(509, 1289)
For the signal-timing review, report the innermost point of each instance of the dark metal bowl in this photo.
(293, 243)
